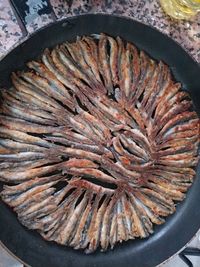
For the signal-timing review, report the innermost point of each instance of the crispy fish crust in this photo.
(97, 143)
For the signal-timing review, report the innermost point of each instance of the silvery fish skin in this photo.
(97, 143)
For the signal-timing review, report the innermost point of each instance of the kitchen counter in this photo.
(186, 33)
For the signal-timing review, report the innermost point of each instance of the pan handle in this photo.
(28, 12)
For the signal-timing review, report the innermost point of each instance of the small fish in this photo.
(104, 65)
(98, 143)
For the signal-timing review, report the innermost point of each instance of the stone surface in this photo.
(6, 260)
(186, 33)
(147, 11)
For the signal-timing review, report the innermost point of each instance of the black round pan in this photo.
(181, 226)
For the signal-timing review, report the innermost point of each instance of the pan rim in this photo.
(23, 39)
(159, 265)
(105, 15)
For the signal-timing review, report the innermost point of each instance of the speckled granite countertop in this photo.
(147, 11)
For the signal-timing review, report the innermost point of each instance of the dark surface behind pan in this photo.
(181, 226)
